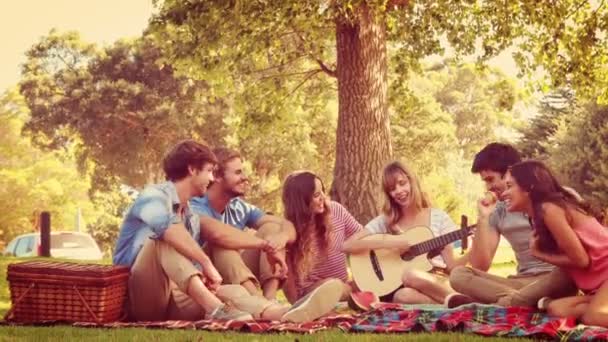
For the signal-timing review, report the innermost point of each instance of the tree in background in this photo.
(481, 102)
(32, 180)
(423, 133)
(580, 152)
(272, 48)
(574, 141)
(442, 116)
(121, 107)
(117, 108)
(553, 108)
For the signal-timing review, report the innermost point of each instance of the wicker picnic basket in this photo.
(46, 290)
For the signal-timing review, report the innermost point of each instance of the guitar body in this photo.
(380, 271)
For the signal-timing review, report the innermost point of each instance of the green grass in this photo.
(67, 333)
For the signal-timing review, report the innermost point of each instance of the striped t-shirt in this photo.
(332, 264)
(237, 213)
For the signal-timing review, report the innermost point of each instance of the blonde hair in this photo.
(391, 208)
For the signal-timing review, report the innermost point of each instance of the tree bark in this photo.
(363, 143)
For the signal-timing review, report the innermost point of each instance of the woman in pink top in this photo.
(322, 227)
(566, 235)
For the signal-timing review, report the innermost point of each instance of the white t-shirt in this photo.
(440, 224)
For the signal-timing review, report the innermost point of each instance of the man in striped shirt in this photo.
(254, 269)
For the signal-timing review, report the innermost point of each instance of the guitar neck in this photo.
(436, 243)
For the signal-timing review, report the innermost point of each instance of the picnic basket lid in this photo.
(67, 272)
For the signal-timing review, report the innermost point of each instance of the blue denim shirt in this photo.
(149, 217)
(238, 213)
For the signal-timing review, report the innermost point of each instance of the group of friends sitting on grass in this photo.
(191, 256)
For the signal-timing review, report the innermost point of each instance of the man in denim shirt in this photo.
(157, 241)
(223, 202)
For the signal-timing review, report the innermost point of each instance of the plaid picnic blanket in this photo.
(478, 319)
(483, 320)
(342, 317)
(259, 326)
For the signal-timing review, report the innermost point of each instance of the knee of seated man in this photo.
(220, 254)
(460, 276)
(268, 229)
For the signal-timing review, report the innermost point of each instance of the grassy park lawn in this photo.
(65, 333)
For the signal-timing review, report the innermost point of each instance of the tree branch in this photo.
(290, 74)
(58, 55)
(325, 69)
(276, 66)
(578, 7)
(312, 73)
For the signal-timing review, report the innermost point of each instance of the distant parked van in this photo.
(68, 245)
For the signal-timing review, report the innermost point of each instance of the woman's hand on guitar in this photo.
(402, 246)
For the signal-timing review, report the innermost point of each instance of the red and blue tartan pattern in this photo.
(477, 319)
(482, 320)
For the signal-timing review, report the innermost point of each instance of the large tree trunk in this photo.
(363, 143)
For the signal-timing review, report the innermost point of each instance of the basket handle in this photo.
(9, 313)
(86, 305)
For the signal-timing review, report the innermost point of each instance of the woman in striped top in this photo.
(322, 227)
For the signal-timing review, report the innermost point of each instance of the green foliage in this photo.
(580, 153)
(116, 107)
(573, 139)
(553, 108)
(260, 55)
(111, 207)
(32, 181)
(441, 117)
(123, 104)
(423, 133)
(481, 101)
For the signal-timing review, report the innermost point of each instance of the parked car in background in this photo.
(68, 245)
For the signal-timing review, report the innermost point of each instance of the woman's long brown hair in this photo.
(536, 179)
(391, 208)
(311, 230)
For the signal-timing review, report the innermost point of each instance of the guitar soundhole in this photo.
(375, 265)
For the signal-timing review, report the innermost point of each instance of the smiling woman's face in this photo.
(516, 198)
(317, 203)
(401, 192)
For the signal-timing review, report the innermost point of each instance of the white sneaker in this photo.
(226, 312)
(315, 304)
(454, 300)
(543, 303)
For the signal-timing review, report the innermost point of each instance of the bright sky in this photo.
(23, 22)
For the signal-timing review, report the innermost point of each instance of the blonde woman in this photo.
(407, 206)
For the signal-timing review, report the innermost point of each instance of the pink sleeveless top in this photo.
(594, 238)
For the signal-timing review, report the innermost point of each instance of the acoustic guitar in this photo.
(380, 270)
